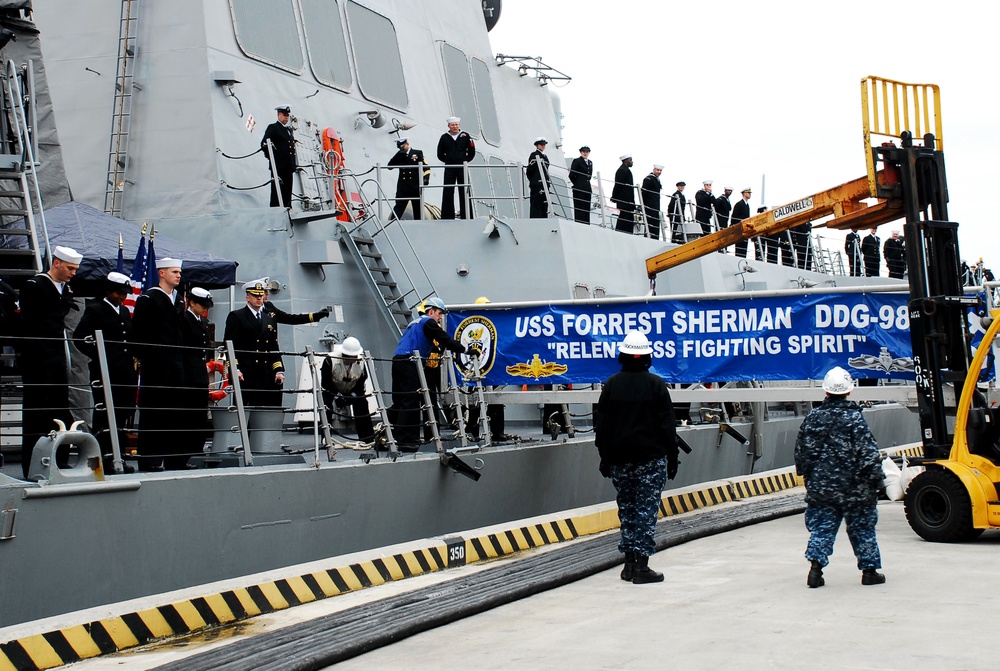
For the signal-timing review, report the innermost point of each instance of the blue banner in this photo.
(772, 338)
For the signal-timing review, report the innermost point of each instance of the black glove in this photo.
(672, 468)
(427, 180)
(321, 314)
(473, 349)
(605, 469)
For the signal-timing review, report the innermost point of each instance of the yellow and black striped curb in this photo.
(109, 635)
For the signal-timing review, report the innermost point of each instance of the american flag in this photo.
(251, 123)
(138, 272)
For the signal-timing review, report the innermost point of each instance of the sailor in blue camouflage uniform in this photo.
(636, 437)
(836, 454)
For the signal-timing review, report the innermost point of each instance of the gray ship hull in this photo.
(142, 534)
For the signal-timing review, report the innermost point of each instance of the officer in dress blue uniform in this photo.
(537, 173)
(109, 316)
(836, 454)
(45, 300)
(254, 333)
(741, 211)
(419, 335)
(636, 437)
(283, 140)
(409, 162)
(193, 398)
(581, 170)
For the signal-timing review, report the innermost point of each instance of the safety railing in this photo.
(454, 415)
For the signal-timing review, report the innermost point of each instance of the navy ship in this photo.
(152, 114)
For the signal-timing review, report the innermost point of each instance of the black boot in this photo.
(642, 574)
(815, 578)
(629, 568)
(872, 577)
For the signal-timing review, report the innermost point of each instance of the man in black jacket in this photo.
(409, 162)
(283, 144)
(705, 207)
(455, 147)
(539, 183)
(636, 437)
(581, 170)
(741, 211)
(651, 188)
(723, 207)
(115, 323)
(623, 196)
(45, 300)
(675, 212)
(895, 256)
(852, 247)
(193, 398)
(871, 252)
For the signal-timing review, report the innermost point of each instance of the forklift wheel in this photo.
(938, 507)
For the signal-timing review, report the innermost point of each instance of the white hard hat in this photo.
(351, 347)
(635, 342)
(838, 381)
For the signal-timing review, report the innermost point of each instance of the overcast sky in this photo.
(731, 91)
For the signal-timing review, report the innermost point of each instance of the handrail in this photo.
(12, 87)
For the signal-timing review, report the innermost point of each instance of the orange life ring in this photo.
(215, 395)
(333, 157)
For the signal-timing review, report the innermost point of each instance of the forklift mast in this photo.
(913, 179)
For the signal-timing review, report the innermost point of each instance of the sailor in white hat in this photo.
(45, 300)
(651, 188)
(455, 148)
(537, 173)
(112, 318)
(723, 207)
(705, 207)
(623, 196)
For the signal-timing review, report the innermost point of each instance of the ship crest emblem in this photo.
(480, 331)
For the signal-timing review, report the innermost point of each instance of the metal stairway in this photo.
(121, 120)
(22, 221)
(396, 295)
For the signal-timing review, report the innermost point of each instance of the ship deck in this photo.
(735, 595)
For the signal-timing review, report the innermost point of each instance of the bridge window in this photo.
(376, 56)
(326, 42)
(463, 96)
(267, 31)
(487, 105)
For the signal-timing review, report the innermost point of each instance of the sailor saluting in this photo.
(409, 160)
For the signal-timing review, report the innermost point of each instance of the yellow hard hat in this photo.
(482, 299)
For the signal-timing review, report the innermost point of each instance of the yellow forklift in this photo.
(955, 498)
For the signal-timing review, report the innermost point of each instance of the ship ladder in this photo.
(378, 277)
(22, 221)
(121, 119)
